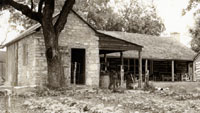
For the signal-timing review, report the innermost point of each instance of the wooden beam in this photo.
(122, 69)
(121, 58)
(134, 71)
(128, 64)
(146, 65)
(140, 69)
(172, 70)
(194, 70)
(106, 62)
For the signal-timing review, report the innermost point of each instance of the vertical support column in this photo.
(172, 70)
(146, 73)
(122, 68)
(105, 61)
(140, 69)
(134, 67)
(146, 65)
(189, 71)
(194, 71)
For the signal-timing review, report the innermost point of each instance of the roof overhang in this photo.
(110, 44)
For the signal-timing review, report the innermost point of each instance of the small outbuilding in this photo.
(196, 67)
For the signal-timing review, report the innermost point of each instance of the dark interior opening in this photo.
(78, 55)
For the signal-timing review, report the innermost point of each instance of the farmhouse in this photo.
(78, 42)
(95, 52)
(164, 57)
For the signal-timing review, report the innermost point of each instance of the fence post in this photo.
(8, 107)
(74, 76)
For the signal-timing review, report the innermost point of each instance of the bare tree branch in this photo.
(62, 19)
(40, 4)
(32, 5)
(25, 10)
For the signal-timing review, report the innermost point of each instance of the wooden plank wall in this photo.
(2, 70)
(12, 62)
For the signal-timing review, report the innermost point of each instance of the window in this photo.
(25, 54)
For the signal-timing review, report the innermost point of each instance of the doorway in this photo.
(78, 56)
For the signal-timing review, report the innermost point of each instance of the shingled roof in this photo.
(157, 48)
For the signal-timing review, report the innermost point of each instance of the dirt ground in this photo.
(177, 97)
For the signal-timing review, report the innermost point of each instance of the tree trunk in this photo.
(53, 56)
(54, 72)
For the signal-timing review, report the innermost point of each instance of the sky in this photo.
(171, 13)
(169, 10)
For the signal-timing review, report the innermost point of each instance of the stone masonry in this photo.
(76, 34)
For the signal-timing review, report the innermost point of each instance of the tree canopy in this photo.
(195, 31)
(130, 17)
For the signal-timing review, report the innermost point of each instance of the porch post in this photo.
(105, 61)
(146, 65)
(134, 67)
(194, 71)
(172, 70)
(140, 69)
(122, 68)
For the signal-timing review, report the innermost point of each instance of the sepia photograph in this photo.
(99, 56)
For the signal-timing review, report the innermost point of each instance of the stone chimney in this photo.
(175, 35)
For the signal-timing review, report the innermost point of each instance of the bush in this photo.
(149, 87)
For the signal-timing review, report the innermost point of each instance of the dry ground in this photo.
(170, 97)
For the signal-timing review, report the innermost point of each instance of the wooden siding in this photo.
(12, 64)
(2, 70)
(196, 68)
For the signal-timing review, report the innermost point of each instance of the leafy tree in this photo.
(134, 17)
(42, 12)
(195, 31)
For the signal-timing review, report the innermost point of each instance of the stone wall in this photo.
(77, 34)
(40, 63)
(25, 75)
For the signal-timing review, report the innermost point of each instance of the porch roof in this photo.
(156, 48)
(110, 44)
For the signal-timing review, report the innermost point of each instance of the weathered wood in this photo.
(140, 69)
(74, 74)
(111, 43)
(122, 68)
(172, 71)
(128, 64)
(146, 73)
(194, 71)
(12, 63)
(105, 61)
(146, 65)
